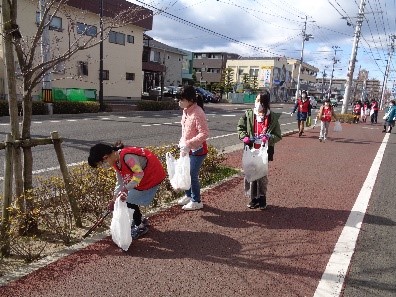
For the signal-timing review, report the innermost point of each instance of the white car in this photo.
(313, 101)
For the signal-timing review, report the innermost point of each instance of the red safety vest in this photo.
(326, 114)
(154, 173)
(303, 106)
(374, 105)
(357, 108)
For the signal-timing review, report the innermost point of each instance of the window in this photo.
(82, 68)
(59, 68)
(117, 37)
(86, 29)
(157, 57)
(56, 22)
(105, 75)
(130, 39)
(253, 72)
(130, 76)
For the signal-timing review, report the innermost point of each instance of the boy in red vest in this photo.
(303, 107)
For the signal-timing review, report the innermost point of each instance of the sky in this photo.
(272, 28)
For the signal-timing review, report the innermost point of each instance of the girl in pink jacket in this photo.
(193, 142)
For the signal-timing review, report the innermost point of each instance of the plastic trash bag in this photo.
(120, 227)
(179, 171)
(337, 126)
(255, 162)
(308, 122)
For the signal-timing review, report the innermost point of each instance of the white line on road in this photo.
(55, 121)
(51, 168)
(333, 277)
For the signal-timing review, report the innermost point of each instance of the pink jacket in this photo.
(194, 127)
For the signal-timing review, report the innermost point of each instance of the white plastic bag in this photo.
(255, 163)
(120, 227)
(337, 126)
(179, 172)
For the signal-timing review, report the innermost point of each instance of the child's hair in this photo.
(189, 93)
(98, 151)
(265, 99)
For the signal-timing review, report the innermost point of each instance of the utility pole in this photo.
(388, 63)
(101, 103)
(323, 76)
(335, 61)
(352, 61)
(45, 49)
(306, 37)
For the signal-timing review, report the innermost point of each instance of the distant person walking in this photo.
(390, 117)
(365, 111)
(325, 114)
(303, 107)
(374, 111)
(195, 132)
(139, 174)
(357, 111)
(255, 128)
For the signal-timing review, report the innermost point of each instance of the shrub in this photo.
(345, 118)
(68, 107)
(38, 107)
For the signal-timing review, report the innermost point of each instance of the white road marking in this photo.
(55, 121)
(37, 122)
(71, 120)
(228, 115)
(105, 119)
(122, 117)
(146, 125)
(157, 124)
(333, 277)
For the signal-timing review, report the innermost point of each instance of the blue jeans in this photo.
(195, 191)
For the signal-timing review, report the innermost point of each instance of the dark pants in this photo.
(374, 117)
(137, 215)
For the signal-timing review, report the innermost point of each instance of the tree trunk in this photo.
(12, 95)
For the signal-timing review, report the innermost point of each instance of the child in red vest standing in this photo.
(139, 174)
(326, 112)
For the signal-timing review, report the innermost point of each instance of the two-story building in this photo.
(78, 21)
(307, 76)
(161, 62)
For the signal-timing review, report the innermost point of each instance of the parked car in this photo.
(333, 102)
(313, 101)
(206, 95)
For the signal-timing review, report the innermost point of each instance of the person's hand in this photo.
(291, 114)
(265, 139)
(122, 195)
(110, 205)
(184, 151)
(246, 140)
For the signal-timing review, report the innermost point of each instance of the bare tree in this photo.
(33, 68)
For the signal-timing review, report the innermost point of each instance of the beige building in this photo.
(272, 73)
(77, 22)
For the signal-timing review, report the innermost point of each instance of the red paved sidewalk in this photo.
(226, 249)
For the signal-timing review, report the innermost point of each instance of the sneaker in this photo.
(253, 203)
(263, 207)
(183, 200)
(193, 205)
(320, 139)
(324, 139)
(145, 222)
(299, 134)
(138, 231)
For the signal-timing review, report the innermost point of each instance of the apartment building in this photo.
(273, 73)
(209, 66)
(79, 20)
(161, 61)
